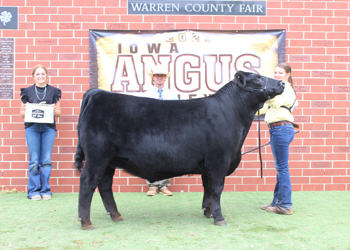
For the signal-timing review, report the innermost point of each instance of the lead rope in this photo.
(261, 165)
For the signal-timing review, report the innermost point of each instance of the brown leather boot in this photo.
(166, 191)
(264, 207)
(280, 210)
(152, 191)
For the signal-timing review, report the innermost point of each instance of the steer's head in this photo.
(264, 87)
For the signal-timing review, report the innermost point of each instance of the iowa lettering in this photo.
(152, 48)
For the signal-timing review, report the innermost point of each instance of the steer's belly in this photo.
(156, 170)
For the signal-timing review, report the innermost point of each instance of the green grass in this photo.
(321, 220)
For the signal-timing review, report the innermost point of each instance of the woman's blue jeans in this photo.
(40, 139)
(280, 138)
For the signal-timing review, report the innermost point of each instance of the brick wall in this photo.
(55, 33)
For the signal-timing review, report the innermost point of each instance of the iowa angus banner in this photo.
(201, 62)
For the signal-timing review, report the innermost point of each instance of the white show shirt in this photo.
(167, 94)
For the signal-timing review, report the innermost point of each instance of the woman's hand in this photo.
(22, 112)
(57, 109)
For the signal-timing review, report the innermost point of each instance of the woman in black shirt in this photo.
(40, 136)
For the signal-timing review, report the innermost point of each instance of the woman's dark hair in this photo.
(288, 69)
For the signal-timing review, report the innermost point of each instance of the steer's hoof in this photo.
(89, 227)
(120, 218)
(207, 213)
(221, 223)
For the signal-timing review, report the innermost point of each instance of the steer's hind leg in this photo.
(105, 189)
(206, 204)
(89, 179)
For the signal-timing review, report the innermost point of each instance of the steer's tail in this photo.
(79, 155)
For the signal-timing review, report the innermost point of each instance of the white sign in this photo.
(195, 7)
(39, 113)
(201, 61)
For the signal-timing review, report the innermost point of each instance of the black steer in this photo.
(156, 139)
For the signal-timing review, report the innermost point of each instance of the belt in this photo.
(274, 124)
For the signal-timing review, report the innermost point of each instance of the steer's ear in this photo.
(240, 78)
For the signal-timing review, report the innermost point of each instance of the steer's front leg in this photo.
(216, 185)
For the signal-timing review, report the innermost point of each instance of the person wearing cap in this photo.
(159, 76)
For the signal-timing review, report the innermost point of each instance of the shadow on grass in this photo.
(176, 222)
